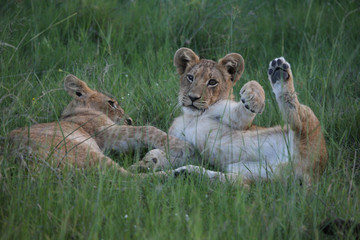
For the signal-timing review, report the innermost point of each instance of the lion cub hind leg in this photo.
(105, 162)
(281, 80)
(301, 119)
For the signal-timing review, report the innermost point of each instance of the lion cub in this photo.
(88, 126)
(221, 128)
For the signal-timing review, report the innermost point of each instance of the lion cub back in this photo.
(71, 140)
(59, 143)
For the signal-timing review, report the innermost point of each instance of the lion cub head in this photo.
(204, 82)
(85, 100)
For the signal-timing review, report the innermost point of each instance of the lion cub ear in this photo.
(184, 57)
(234, 64)
(75, 87)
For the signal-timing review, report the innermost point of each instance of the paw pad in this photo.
(278, 69)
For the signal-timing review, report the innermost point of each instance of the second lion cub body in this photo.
(91, 123)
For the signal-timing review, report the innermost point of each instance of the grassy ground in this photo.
(125, 48)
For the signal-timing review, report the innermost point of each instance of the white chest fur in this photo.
(257, 153)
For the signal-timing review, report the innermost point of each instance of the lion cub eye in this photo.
(212, 83)
(112, 104)
(190, 78)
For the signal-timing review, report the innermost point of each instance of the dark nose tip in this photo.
(129, 121)
(193, 98)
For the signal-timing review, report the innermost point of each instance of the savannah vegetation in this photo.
(125, 49)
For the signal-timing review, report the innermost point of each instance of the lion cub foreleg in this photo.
(213, 176)
(124, 138)
(240, 115)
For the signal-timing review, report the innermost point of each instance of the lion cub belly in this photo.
(263, 154)
(252, 152)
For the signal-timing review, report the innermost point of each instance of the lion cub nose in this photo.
(193, 97)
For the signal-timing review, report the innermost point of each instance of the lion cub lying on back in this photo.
(221, 130)
(88, 126)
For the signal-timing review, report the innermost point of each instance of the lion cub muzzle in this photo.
(194, 97)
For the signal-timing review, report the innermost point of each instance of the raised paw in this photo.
(253, 97)
(279, 69)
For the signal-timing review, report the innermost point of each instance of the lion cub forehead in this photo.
(207, 63)
(206, 69)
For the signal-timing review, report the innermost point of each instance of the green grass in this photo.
(125, 48)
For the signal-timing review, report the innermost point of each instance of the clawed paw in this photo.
(186, 171)
(279, 69)
(181, 172)
(253, 97)
(154, 160)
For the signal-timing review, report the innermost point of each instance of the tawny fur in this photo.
(221, 129)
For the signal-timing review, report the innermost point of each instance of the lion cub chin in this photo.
(91, 123)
